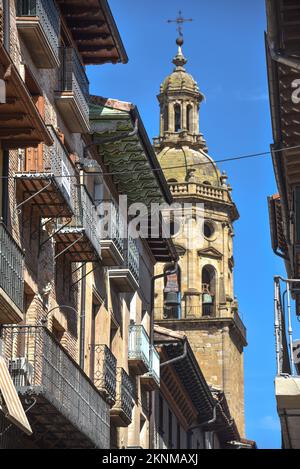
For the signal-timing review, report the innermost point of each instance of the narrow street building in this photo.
(283, 65)
(74, 304)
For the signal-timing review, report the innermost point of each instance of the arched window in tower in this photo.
(166, 118)
(189, 116)
(208, 291)
(172, 294)
(177, 116)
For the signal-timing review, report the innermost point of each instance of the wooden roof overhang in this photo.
(193, 380)
(279, 243)
(283, 64)
(21, 124)
(94, 31)
(283, 49)
(224, 425)
(189, 374)
(160, 242)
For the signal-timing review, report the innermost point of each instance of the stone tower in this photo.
(200, 301)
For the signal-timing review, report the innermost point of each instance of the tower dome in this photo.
(181, 147)
(179, 79)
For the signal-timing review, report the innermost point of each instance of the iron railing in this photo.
(132, 258)
(167, 312)
(154, 369)
(105, 371)
(54, 161)
(192, 312)
(138, 344)
(40, 365)
(73, 78)
(112, 224)
(125, 393)
(48, 14)
(287, 348)
(85, 218)
(11, 267)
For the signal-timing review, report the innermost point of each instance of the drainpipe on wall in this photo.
(82, 317)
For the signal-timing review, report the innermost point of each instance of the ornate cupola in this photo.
(181, 144)
(179, 101)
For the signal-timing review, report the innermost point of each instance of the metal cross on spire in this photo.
(180, 21)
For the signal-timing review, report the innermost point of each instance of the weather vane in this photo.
(180, 21)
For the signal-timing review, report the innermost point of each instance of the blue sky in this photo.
(225, 49)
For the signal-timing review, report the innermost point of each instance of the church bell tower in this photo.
(200, 302)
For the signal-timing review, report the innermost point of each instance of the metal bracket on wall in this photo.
(55, 232)
(12, 425)
(31, 197)
(70, 245)
(87, 274)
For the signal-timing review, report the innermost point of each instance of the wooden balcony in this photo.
(121, 412)
(138, 350)
(104, 372)
(126, 276)
(38, 23)
(45, 178)
(79, 238)
(22, 125)
(71, 97)
(11, 278)
(151, 380)
(69, 411)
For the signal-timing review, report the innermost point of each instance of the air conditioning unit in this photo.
(21, 371)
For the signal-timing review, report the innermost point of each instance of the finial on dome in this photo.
(180, 41)
(179, 60)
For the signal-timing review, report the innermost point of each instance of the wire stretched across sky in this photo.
(153, 170)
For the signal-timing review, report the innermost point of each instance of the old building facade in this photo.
(282, 39)
(199, 300)
(78, 291)
(75, 304)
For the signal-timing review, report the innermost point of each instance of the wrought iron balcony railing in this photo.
(11, 275)
(112, 226)
(83, 232)
(155, 364)
(73, 79)
(168, 312)
(41, 367)
(152, 379)
(121, 413)
(48, 16)
(138, 349)
(104, 371)
(51, 168)
(132, 257)
(126, 275)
